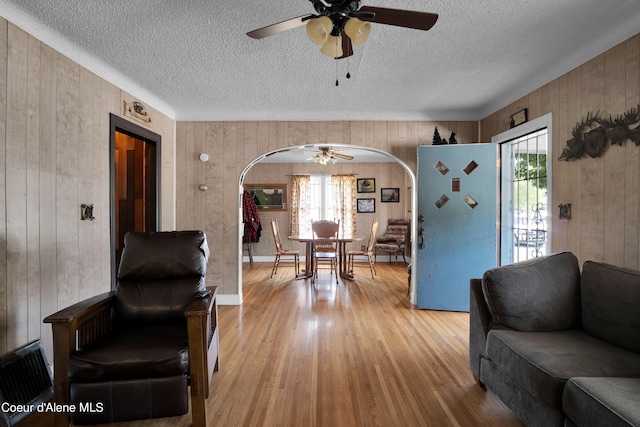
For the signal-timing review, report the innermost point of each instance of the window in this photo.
(321, 201)
(316, 197)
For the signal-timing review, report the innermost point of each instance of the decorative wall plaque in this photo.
(137, 111)
(518, 118)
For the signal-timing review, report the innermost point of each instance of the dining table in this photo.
(342, 254)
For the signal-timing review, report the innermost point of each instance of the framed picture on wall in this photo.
(366, 205)
(271, 197)
(366, 185)
(390, 195)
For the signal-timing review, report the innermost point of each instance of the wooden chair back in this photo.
(372, 236)
(324, 233)
(276, 235)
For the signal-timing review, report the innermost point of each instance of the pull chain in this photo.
(337, 83)
(348, 75)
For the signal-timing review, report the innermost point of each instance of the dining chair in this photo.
(368, 251)
(325, 245)
(280, 251)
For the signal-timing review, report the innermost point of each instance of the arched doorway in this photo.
(410, 173)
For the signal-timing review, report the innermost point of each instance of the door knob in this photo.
(421, 233)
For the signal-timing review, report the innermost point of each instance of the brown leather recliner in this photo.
(133, 353)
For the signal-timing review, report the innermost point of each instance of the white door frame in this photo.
(545, 121)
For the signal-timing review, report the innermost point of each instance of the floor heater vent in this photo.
(25, 382)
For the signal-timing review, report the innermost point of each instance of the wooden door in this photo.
(457, 212)
(134, 178)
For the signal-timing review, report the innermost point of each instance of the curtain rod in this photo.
(323, 174)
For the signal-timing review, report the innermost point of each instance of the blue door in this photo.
(457, 217)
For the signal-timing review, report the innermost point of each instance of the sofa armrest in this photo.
(479, 324)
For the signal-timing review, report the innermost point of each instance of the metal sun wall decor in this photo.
(590, 136)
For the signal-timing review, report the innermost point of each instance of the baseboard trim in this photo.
(229, 299)
(270, 258)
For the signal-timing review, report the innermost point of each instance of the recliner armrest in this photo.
(202, 327)
(80, 324)
(201, 306)
(73, 328)
(81, 310)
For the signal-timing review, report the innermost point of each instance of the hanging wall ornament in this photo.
(618, 129)
(590, 136)
(595, 141)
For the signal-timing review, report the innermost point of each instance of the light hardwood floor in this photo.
(352, 354)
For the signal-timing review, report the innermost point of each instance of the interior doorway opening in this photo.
(134, 185)
(392, 158)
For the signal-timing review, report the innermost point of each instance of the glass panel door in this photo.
(525, 232)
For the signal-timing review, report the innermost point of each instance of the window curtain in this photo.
(299, 215)
(344, 202)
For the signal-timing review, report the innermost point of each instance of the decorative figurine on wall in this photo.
(438, 140)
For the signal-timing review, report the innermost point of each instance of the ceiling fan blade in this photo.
(341, 156)
(400, 18)
(347, 47)
(280, 27)
(362, 15)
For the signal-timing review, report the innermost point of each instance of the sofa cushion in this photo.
(607, 402)
(541, 294)
(610, 300)
(542, 362)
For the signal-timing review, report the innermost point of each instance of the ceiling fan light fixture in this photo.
(319, 29)
(333, 46)
(357, 30)
(324, 157)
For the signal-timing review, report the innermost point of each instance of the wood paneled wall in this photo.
(231, 146)
(603, 192)
(54, 156)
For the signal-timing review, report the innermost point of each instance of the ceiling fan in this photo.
(328, 154)
(340, 24)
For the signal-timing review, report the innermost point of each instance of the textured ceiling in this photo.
(193, 61)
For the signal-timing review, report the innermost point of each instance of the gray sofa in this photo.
(556, 346)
